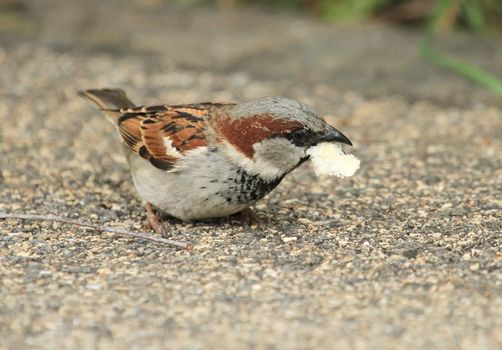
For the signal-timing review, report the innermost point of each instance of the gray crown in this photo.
(282, 107)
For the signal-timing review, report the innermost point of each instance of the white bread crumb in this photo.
(329, 159)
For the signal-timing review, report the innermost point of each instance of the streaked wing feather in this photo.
(162, 134)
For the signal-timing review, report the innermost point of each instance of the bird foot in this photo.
(153, 222)
(248, 217)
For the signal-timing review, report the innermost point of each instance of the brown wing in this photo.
(163, 134)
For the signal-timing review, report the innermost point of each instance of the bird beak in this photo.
(333, 135)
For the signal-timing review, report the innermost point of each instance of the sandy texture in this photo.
(405, 254)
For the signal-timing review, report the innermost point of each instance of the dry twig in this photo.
(99, 228)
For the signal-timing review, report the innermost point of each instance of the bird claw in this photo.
(153, 222)
(248, 217)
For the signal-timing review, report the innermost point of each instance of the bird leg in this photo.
(248, 217)
(153, 221)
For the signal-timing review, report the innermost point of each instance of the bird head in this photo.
(270, 136)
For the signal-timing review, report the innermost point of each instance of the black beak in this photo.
(333, 135)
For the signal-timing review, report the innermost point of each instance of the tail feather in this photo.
(109, 101)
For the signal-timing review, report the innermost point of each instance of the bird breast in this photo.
(204, 184)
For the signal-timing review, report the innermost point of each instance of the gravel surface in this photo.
(407, 253)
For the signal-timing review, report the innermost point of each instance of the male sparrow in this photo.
(209, 160)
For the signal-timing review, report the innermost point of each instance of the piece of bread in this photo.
(329, 159)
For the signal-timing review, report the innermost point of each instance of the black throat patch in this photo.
(246, 188)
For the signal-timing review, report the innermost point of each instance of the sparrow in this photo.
(210, 160)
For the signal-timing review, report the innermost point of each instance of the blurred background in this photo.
(444, 50)
(477, 15)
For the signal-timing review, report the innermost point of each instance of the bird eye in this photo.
(300, 137)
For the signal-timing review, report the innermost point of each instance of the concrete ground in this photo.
(406, 254)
